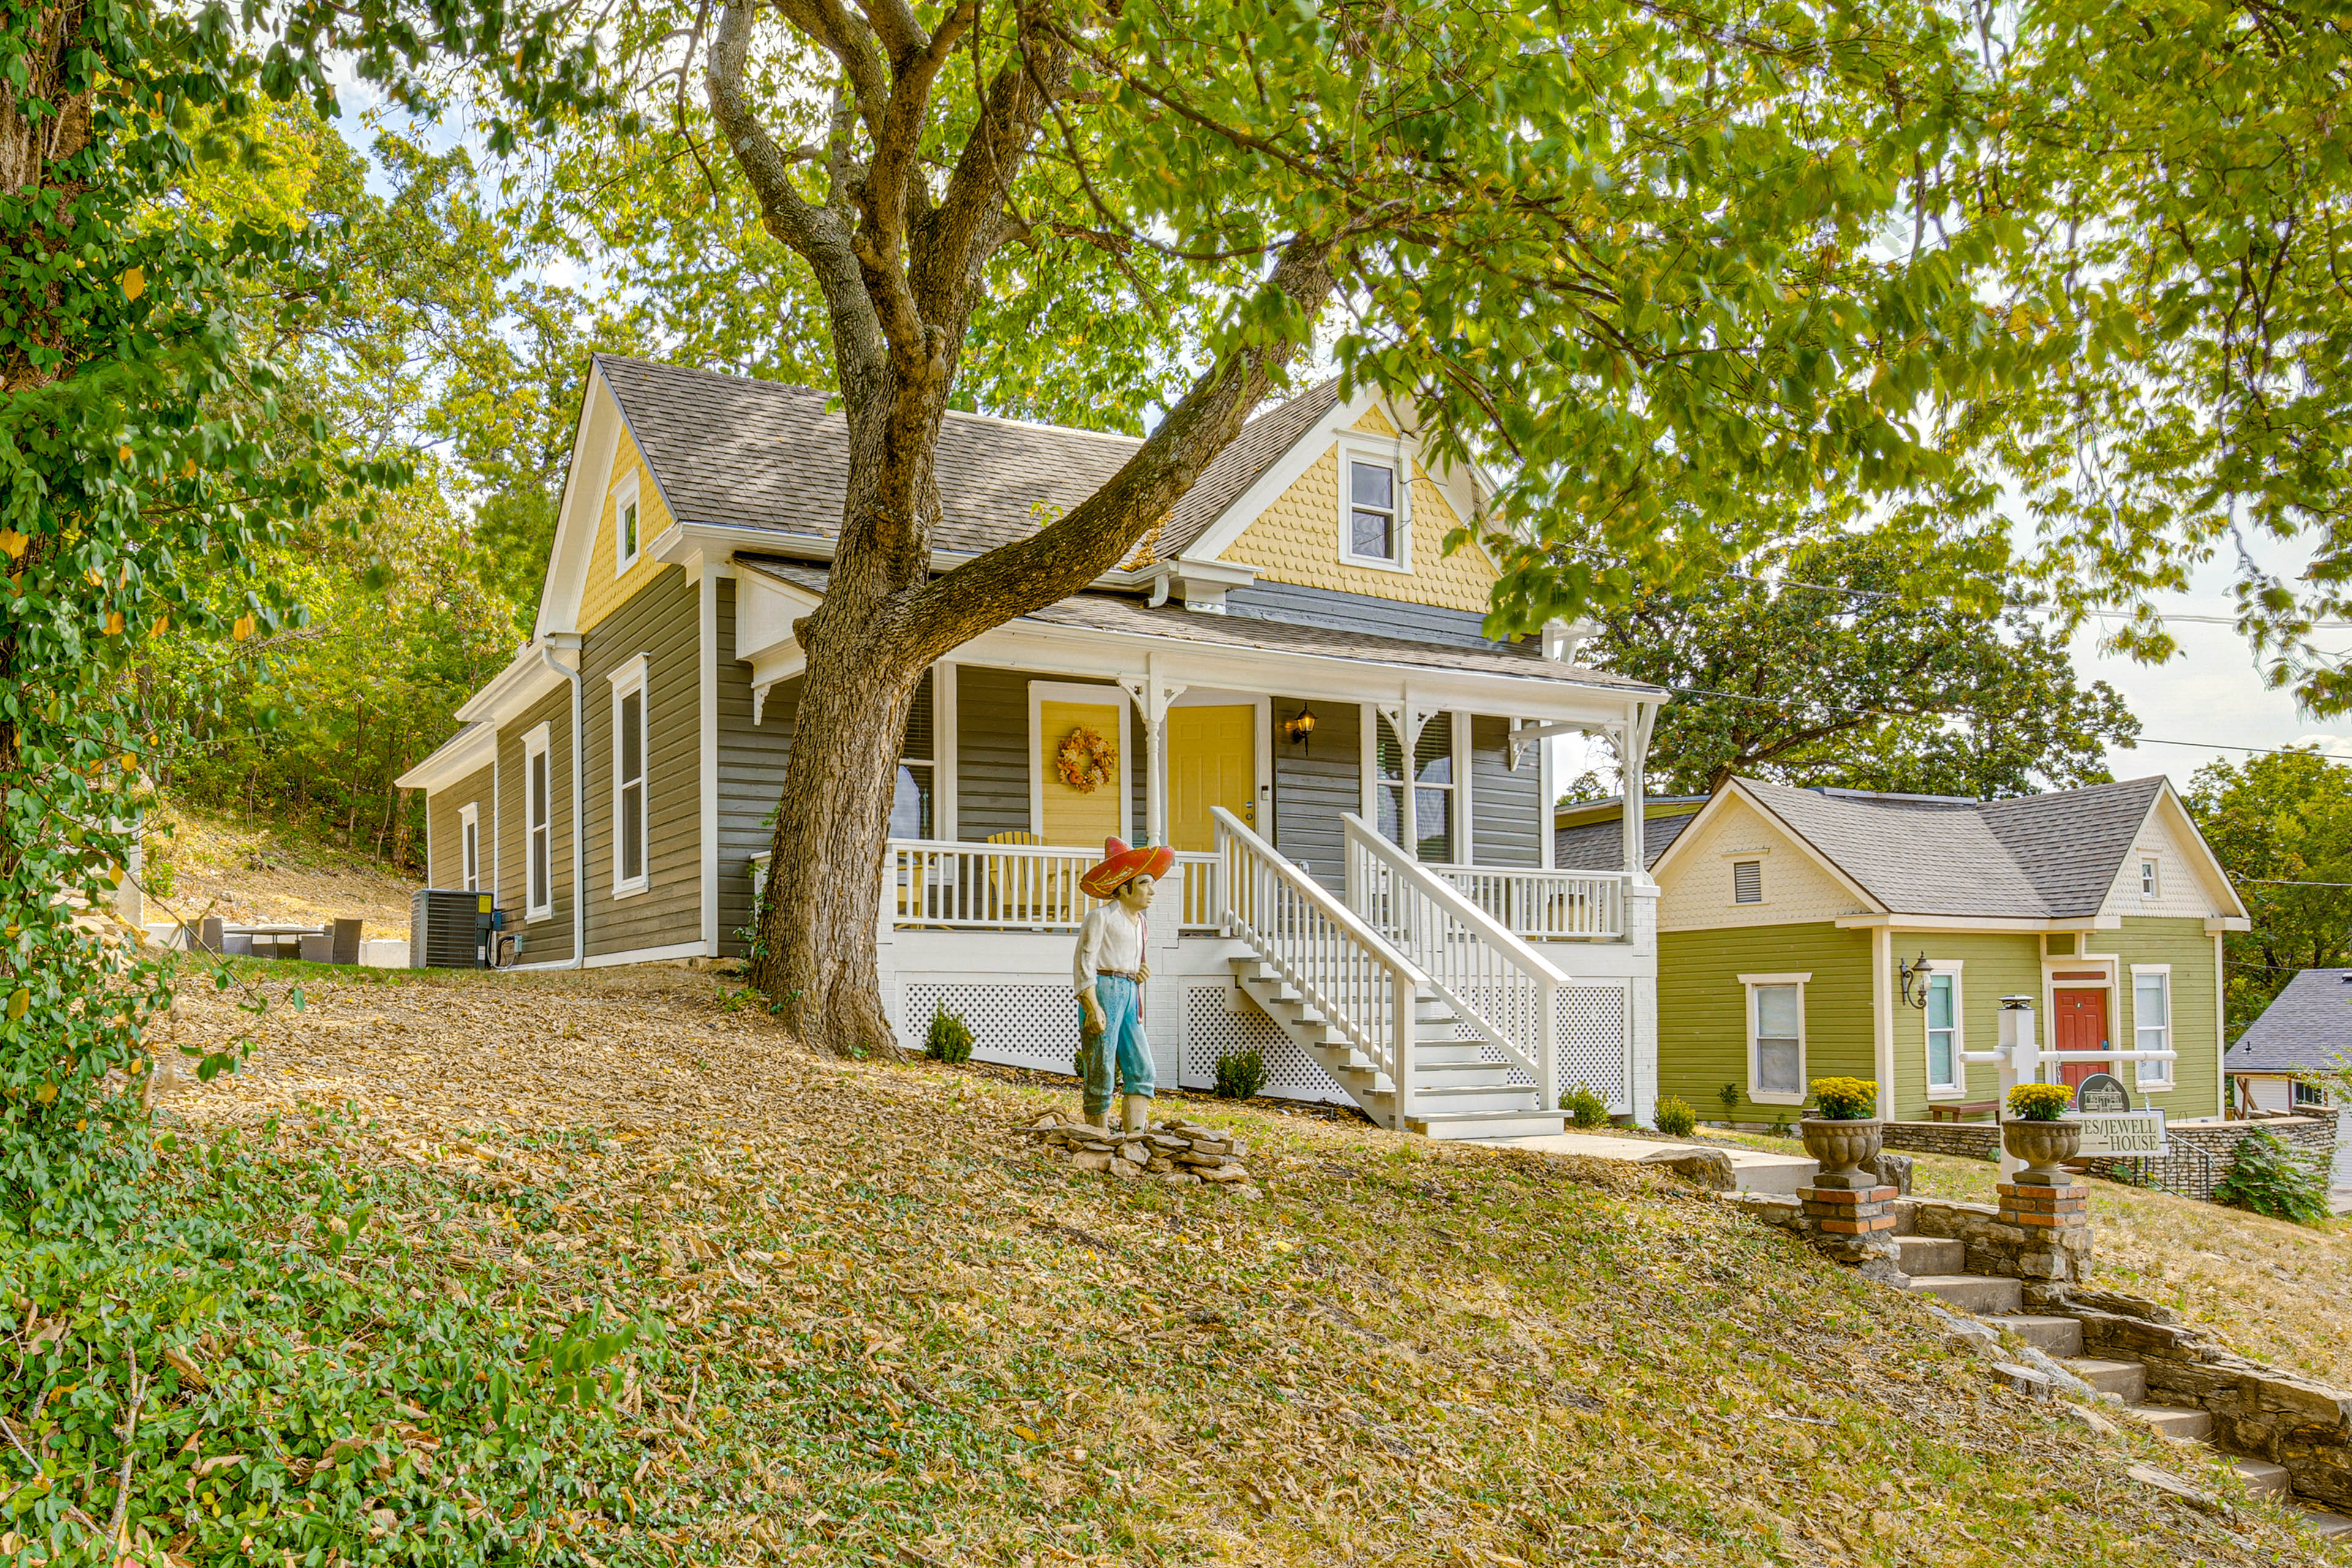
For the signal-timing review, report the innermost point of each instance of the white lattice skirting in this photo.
(1212, 1026)
(1595, 1029)
(1017, 1026)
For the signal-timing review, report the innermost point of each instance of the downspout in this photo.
(579, 811)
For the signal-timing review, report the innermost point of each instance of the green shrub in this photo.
(950, 1038)
(1846, 1098)
(2267, 1177)
(1241, 1074)
(1780, 1125)
(1676, 1117)
(1730, 1095)
(1584, 1108)
(2039, 1101)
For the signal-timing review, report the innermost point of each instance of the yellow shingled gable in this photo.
(604, 591)
(1297, 540)
(1375, 422)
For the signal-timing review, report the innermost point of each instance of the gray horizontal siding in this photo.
(1505, 806)
(446, 841)
(1315, 784)
(661, 621)
(1357, 613)
(752, 759)
(548, 940)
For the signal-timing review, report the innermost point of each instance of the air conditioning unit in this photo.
(450, 927)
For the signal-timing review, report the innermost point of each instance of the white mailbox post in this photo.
(2021, 1058)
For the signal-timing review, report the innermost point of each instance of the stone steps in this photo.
(1930, 1254)
(2060, 1337)
(1980, 1294)
(2127, 1379)
(2265, 1480)
(2173, 1421)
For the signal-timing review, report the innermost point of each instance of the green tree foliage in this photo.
(1817, 665)
(2268, 1177)
(144, 468)
(2282, 827)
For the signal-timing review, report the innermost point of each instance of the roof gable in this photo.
(1800, 884)
(2307, 1025)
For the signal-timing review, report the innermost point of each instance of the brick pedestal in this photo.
(1852, 1223)
(2045, 1208)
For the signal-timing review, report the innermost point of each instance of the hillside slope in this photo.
(895, 1333)
(252, 871)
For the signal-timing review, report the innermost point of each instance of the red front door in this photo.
(2081, 1024)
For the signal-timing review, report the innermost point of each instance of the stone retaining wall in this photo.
(2045, 1257)
(1967, 1140)
(2256, 1410)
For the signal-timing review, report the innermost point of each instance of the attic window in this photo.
(1747, 882)
(2148, 879)
(1373, 510)
(624, 524)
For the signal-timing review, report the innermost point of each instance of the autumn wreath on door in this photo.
(1084, 761)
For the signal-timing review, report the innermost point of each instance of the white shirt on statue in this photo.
(1109, 938)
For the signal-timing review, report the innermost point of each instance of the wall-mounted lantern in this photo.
(1299, 726)
(1919, 969)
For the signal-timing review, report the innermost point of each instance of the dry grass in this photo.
(898, 1334)
(252, 872)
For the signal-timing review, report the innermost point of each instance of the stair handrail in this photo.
(1466, 952)
(1361, 983)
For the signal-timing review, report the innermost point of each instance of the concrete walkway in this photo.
(1752, 1169)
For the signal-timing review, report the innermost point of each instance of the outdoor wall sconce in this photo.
(1299, 725)
(1917, 969)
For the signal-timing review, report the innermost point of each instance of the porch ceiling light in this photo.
(1299, 725)
(1919, 969)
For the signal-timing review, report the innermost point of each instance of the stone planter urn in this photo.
(1840, 1146)
(2042, 1145)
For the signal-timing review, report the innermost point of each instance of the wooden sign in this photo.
(2102, 1094)
(2128, 1132)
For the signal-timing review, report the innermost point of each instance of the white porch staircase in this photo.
(1408, 1043)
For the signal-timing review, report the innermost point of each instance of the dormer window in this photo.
(1374, 519)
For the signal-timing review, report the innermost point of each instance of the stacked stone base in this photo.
(1179, 1152)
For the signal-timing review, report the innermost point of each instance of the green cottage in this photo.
(1804, 934)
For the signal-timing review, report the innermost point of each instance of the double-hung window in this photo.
(539, 828)
(2152, 1021)
(630, 808)
(1946, 1074)
(1776, 1037)
(2147, 886)
(1432, 791)
(470, 836)
(1375, 533)
(913, 798)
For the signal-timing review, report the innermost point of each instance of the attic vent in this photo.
(1747, 882)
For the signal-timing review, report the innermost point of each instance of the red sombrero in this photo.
(1122, 864)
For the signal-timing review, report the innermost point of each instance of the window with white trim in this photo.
(2148, 879)
(624, 524)
(1776, 1038)
(629, 782)
(1747, 882)
(2152, 1021)
(538, 829)
(1946, 1074)
(1375, 520)
(469, 839)
(1435, 771)
(913, 799)
(2309, 1095)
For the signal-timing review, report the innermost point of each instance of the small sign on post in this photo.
(2127, 1134)
(2102, 1094)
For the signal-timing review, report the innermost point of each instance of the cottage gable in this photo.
(618, 566)
(2168, 851)
(1701, 885)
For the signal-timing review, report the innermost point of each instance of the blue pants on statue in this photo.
(1120, 1051)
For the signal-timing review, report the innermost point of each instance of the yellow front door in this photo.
(1212, 762)
(1067, 814)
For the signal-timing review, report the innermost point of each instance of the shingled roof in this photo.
(1119, 613)
(730, 450)
(2307, 1025)
(2044, 857)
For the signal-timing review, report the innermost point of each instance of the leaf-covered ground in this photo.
(892, 1332)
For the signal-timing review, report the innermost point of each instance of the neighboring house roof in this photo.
(1601, 846)
(757, 454)
(2307, 1025)
(1119, 613)
(2046, 856)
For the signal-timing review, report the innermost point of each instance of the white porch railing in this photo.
(1546, 906)
(952, 885)
(1495, 983)
(1363, 987)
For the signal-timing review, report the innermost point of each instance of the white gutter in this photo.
(579, 810)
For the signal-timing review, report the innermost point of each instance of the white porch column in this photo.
(1633, 759)
(1152, 692)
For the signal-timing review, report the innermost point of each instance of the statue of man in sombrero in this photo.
(1110, 971)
